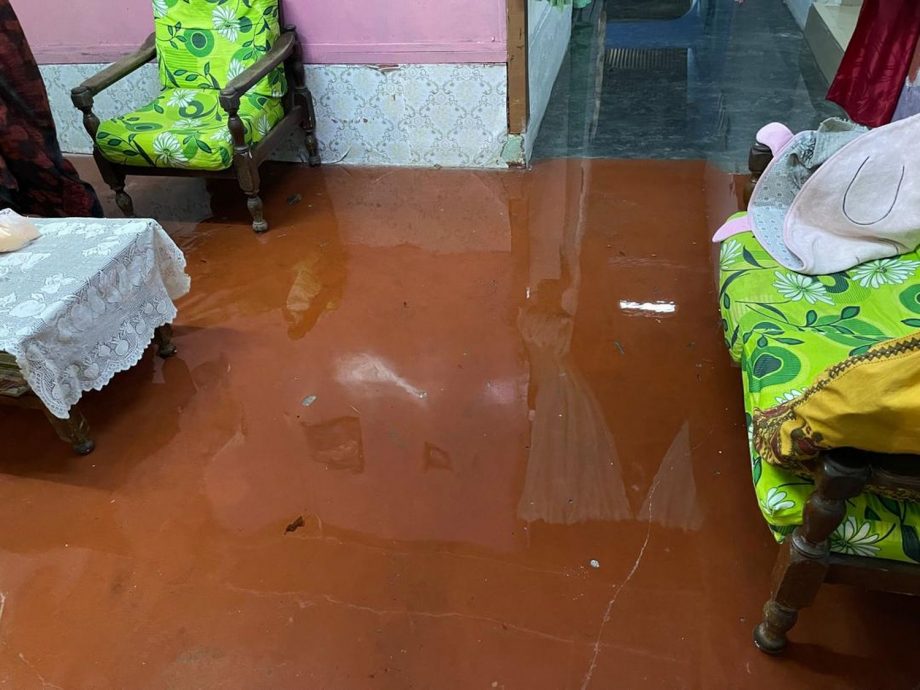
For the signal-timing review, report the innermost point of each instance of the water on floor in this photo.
(436, 429)
(680, 79)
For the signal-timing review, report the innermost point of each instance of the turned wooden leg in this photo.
(115, 179)
(802, 563)
(162, 336)
(247, 172)
(123, 199)
(74, 430)
(254, 203)
(309, 127)
(304, 99)
(313, 149)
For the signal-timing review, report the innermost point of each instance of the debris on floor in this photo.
(295, 525)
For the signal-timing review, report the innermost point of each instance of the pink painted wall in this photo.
(334, 31)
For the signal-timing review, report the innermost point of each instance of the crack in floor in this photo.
(589, 674)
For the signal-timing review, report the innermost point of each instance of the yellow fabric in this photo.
(790, 332)
(871, 402)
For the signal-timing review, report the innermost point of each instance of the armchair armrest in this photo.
(82, 95)
(230, 95)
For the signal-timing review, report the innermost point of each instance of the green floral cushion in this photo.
(785, 329)
(184, 128)
(206, 43)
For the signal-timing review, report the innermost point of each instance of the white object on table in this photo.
(15, 231)
(81, 302)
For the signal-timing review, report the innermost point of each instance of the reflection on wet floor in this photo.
(436, 429)
(680, 79)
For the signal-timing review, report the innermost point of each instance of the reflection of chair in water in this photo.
(318, 283)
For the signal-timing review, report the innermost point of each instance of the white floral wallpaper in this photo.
(451, 115)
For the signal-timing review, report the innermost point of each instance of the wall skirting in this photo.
(451, 115)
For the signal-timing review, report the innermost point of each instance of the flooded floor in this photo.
(685, 79)
(436, 429)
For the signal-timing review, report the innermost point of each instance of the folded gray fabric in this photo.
(786, 176)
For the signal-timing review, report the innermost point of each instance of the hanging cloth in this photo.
(874, 67)
(34, 177)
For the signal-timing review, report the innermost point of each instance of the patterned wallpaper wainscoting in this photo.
(451, 115)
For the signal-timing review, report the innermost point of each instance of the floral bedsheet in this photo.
(785, 329)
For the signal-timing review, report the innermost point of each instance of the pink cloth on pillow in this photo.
(777, 136)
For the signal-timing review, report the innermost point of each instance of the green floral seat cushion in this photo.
(785, 329)
(184, 128)
(205, 43)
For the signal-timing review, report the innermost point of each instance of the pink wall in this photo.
(334, 31)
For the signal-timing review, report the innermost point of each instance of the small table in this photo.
(79, 304)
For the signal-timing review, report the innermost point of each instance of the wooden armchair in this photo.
(844, 516)
(805, 559)
(233, 89)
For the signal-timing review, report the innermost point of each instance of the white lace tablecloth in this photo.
(81, 302)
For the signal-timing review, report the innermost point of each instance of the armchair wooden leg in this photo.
(304, 99)
(802, 563)
(254, 202)
(247, 172)
(162, 336)
(124, 202)
(309, 126)
(248, 177)
(115, 179)
(313, 149)
(74, 430)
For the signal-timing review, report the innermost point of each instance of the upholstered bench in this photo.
(842, 515)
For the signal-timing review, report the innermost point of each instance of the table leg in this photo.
(162, 336)
(74, 430)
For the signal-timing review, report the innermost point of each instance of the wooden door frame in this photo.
(518, 84)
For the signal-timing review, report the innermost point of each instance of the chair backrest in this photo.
(203, 44)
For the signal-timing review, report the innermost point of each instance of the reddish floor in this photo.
(522, 464)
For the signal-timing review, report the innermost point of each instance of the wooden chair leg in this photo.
(304, 99)
(83, 99)
(162, 336)
(309, 126)
(124, 201)
(248, 178)
(310, 137)
(246, 171)
(115, 179)
(802, 563)
(74, 430)
(254, 204)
